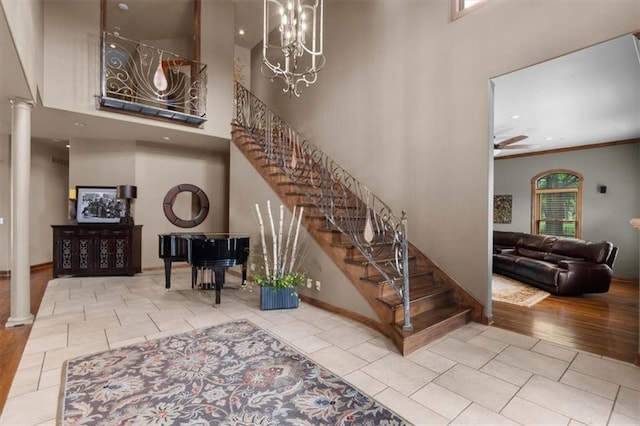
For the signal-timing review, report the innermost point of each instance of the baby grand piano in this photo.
(204, 251)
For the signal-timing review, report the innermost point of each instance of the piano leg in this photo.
(244, 274)
(194, 276)
(219, 283)
(167, 273)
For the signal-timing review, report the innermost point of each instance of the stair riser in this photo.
(418, 340)
(423, 305)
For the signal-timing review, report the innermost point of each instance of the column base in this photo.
(16, 322)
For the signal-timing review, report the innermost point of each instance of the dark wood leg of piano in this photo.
(219, 272)
(167, 273)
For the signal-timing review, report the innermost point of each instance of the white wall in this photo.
(243, 55)
(25, 19)
(5, 205)
(605, 216)
(49, 198)
(403, 105)
(49, 205)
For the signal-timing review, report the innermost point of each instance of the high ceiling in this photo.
(590, 96)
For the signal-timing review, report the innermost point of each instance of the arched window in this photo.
(557, 203)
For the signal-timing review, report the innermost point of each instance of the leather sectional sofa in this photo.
(561, 266)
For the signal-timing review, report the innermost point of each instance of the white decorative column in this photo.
(636, 224)
(20, 214)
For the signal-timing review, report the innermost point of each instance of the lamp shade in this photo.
(128, 192)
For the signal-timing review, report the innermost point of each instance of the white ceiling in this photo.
(587, 97)
(590, 96)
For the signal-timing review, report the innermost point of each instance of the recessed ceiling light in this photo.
(123, 6)
(549, 138)
(113, 46)
(78, 124)
(68, 146)
(166, 138)
(241, 31)
(515, 116)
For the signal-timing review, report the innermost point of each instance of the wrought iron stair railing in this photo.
(370, 225)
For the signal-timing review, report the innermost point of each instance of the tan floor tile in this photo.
(509, 337)
(337, 360)
(464, 353)
(590, 384)
(411, 410)
(527, 413)
(506, 372)
(432, 361)
(567, 400)
(441, 400)
(365, 383)
(476, 414)
(628, 403)
(399, 373)
(556, 351)
(624, 374)
(20, 410)
(533, 362)
(479, 387)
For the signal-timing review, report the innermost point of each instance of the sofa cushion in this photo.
(555, 258)
(537, 270)
(534, 254)
(579, 249)
(541, 243)
(506, 239)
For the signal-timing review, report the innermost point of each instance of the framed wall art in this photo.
(98, 204)
(502, 207)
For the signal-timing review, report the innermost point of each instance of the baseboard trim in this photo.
(345, 313)
(34, 268)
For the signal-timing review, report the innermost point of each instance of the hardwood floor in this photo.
(13, 340)
(605, 324)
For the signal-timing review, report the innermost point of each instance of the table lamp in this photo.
(127, 193)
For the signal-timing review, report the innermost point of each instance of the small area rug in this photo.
(506, 290)
(230, 374)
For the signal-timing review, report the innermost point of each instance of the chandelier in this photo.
(294, 52)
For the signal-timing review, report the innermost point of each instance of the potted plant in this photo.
(278, 278)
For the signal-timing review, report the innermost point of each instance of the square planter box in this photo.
(278, 298)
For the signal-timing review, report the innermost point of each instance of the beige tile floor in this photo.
(474, 375)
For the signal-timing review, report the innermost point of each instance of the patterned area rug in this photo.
(506, 290)
(230, 374)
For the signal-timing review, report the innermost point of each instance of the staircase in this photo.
(415, 301)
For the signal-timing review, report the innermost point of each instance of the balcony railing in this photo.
(145, 80)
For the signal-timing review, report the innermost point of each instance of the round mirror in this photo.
(186, 205)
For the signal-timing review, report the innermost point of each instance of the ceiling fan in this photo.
(505, 143)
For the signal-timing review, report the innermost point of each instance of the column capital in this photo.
(15, 102)
(635, 223)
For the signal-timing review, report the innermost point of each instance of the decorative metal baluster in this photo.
(343, 200)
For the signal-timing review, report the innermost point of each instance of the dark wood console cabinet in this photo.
(96, 249)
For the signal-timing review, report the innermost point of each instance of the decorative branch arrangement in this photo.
(279, 263)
